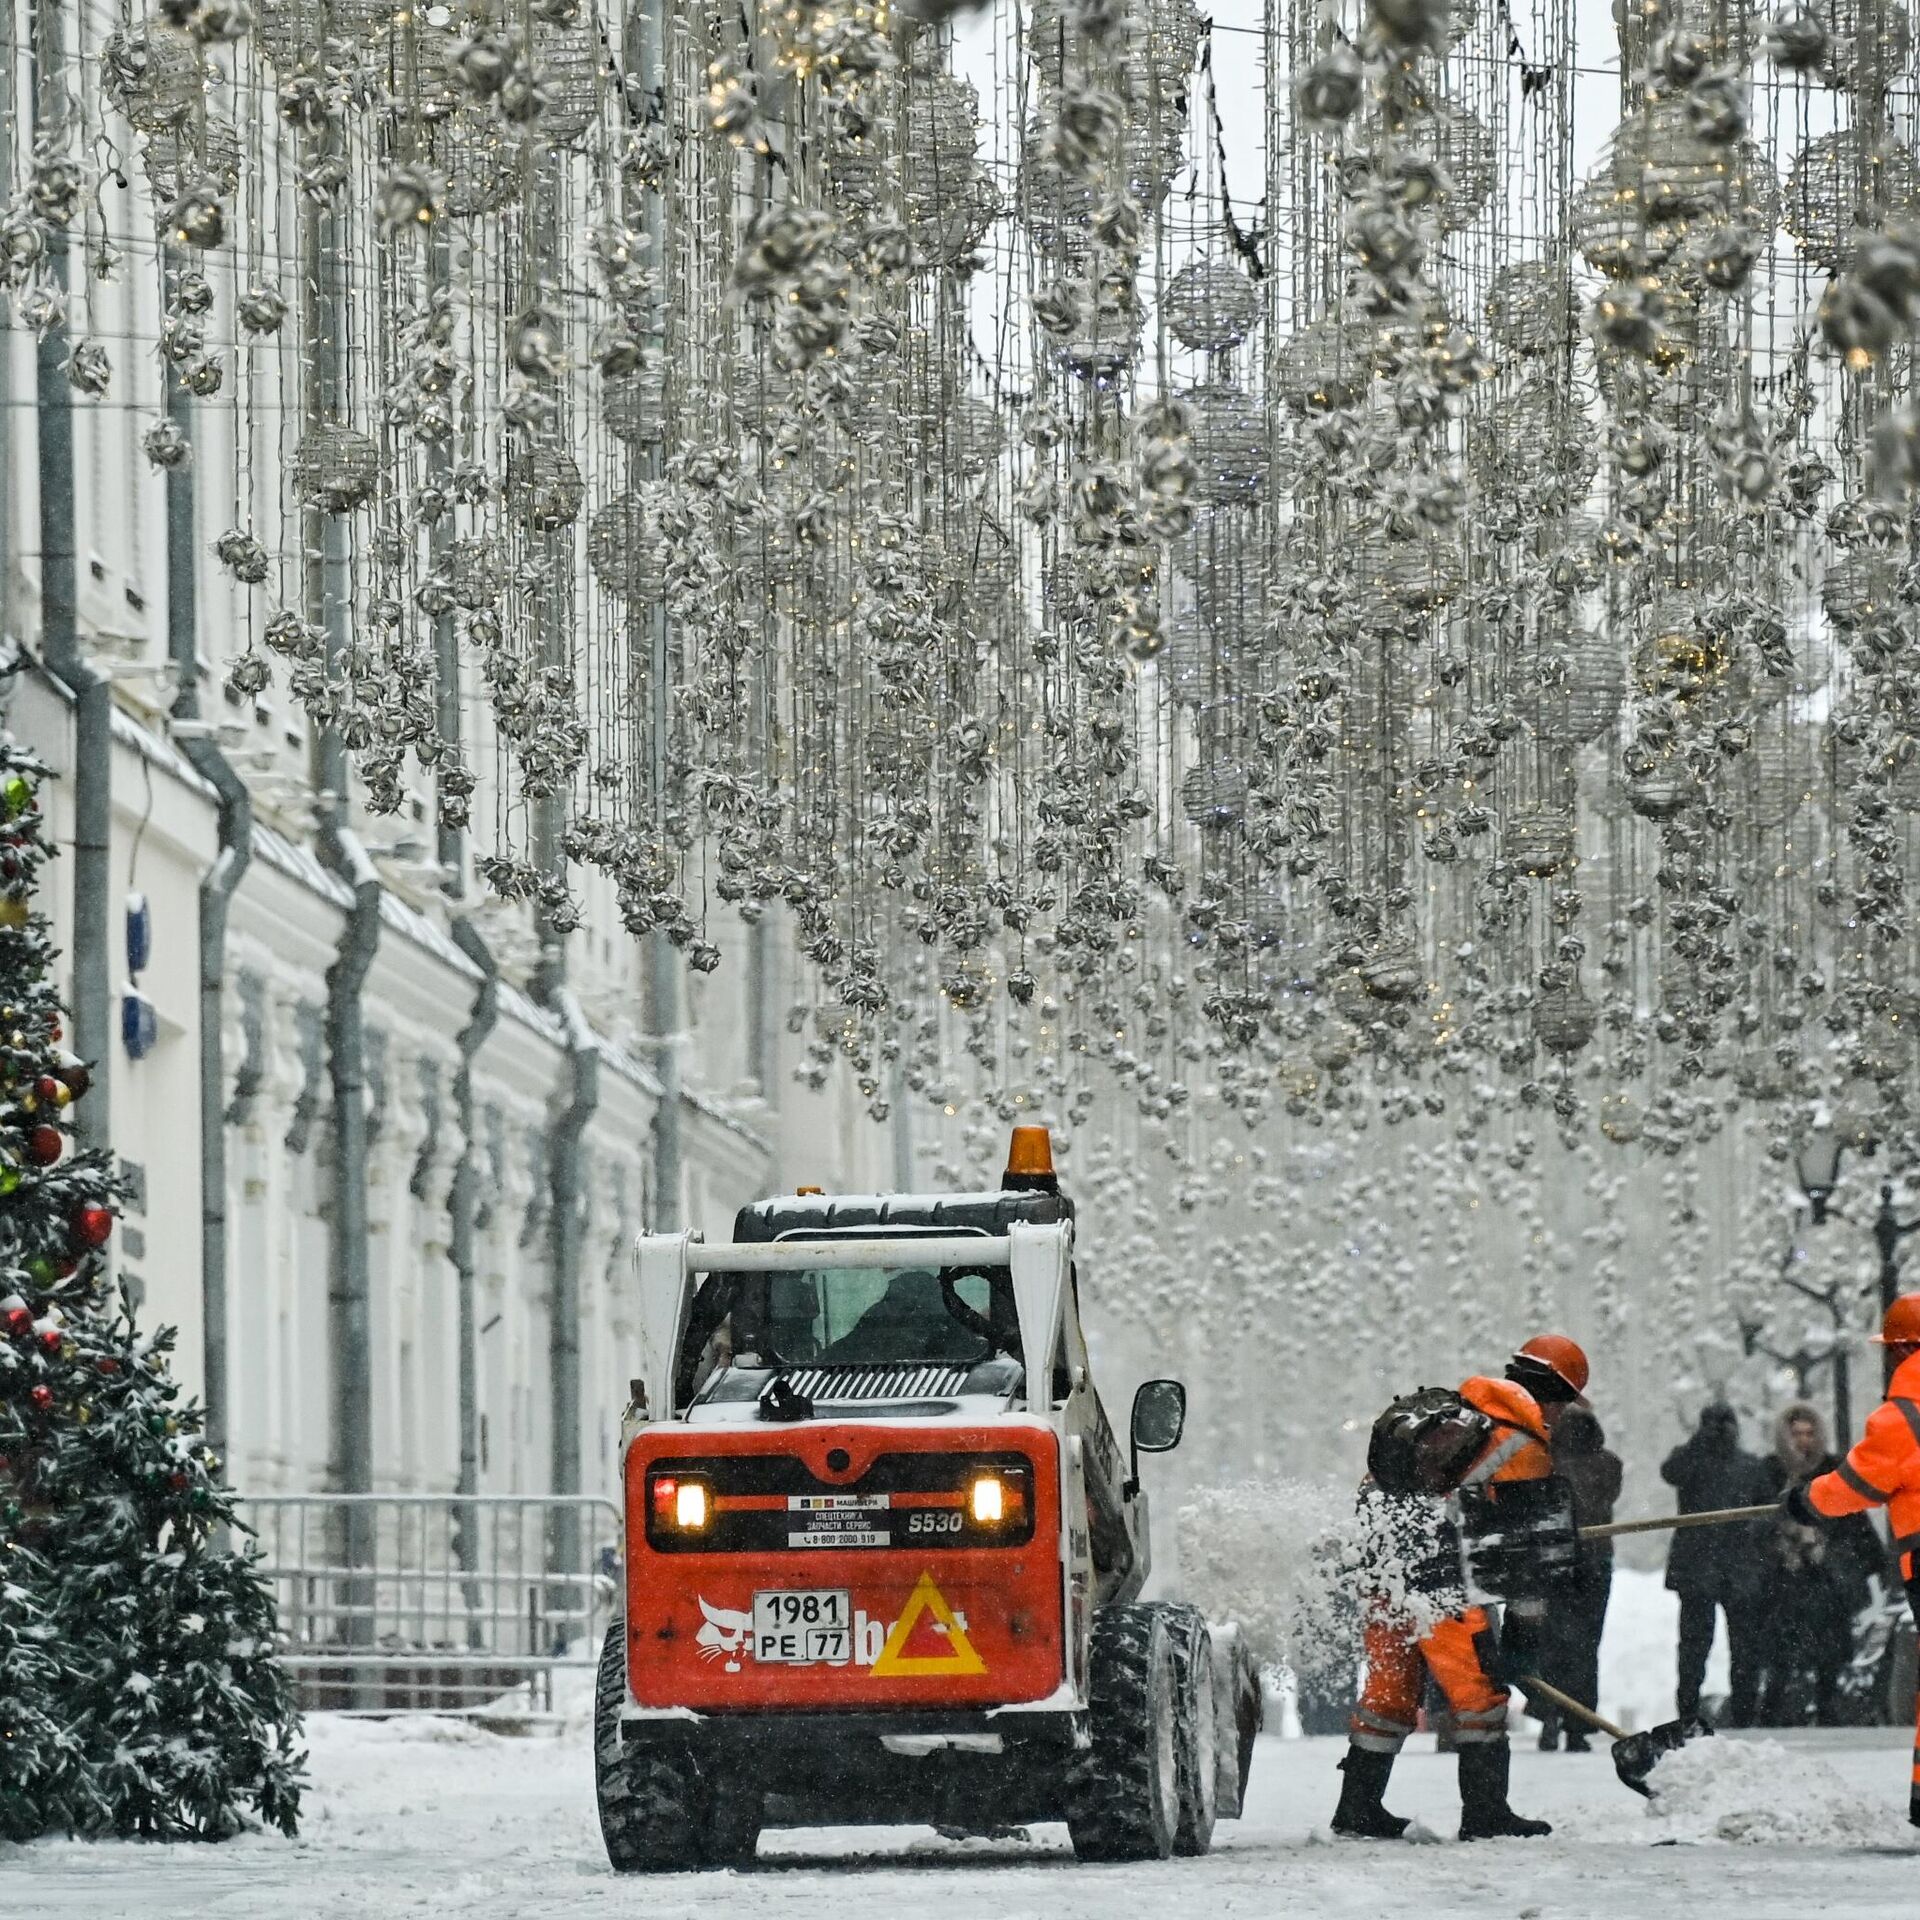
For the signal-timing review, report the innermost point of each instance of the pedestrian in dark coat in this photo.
(1717, 1569)
(1577, 1613)
(1814, 1580)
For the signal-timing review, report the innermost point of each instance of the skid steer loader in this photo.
(884, 1551)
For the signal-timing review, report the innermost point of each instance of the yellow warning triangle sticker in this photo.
(927, 1598)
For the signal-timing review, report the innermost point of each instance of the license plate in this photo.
(803, 1627)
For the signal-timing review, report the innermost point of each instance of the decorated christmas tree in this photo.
(138, 1689)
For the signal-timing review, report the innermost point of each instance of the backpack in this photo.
(1425, 1441)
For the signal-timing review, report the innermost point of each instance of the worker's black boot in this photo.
(1484, 1813)
(1913, 1807)
(1360, 1815)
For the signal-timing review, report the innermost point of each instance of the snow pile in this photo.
(1292, 1562)
(1761, 1793)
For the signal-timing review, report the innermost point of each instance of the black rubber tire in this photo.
(653, 1803)
(1123, 1793)
(1199, 1731)
(1242, 1713)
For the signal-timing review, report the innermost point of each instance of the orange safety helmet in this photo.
(1901, 1327)
(1554, 1354)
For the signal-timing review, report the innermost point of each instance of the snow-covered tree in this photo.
(138, 1689)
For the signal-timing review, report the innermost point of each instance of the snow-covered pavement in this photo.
(421, 1817)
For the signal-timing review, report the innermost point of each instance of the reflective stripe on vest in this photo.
(1861, 1484)
(1910, 1413)
(1497, 1457)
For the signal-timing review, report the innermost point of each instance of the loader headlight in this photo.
(987, 1500)
(681, 1505)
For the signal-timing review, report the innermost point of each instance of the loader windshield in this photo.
(849, 1316)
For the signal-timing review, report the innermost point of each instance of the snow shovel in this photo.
(1676, 1522)
(1635, 1755)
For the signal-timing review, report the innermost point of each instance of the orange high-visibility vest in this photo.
(1520, 1450)
(1883, 1469)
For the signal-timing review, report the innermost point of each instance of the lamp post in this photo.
(1817, 1163)
(1888, 1231)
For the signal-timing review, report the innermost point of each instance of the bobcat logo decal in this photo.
(723, 1635)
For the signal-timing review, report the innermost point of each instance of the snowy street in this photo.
(413, 1816)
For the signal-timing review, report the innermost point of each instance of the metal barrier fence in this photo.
(397, 1603)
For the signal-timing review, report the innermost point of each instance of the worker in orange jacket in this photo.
(1883, 1470)
(1548, 1374)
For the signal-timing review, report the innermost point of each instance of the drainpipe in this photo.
(218, 885)
(565, 1234)
(462, 1205)
(565, 1225)
(328, 589)
(349, 1282)
(88, 690)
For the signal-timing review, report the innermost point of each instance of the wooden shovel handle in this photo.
(1673, 1522)
(1569, 1705)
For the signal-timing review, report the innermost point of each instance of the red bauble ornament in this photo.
(91, 1227)
(19, 1320)
(42, 1397)
(50, 1338)
(78, 1076)
(47, 1088)
(45, 1143)
(178, 1482)
(108, 1364)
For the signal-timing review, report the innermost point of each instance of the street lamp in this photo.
(1817, 1162)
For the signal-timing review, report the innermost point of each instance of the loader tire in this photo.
(653, 1804)
(1123, 1793)
(1199, 1730)
(1236, 1676)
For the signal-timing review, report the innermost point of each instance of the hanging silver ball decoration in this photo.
(1866, 43)
(1833, 188)
(633, 408)
(261, 309)
(624, 548)
(1564, 1019)
(1393, 971)
(1211, 305)
(1681, 652)
(207, 149)
(1770, 788)
(1540, 840)
(291, 31)
(1530, 307)
(482, 162)
(154, 74)
(1589, 699)
(545, 488)
(1397, 580)
(335, 468)
(1662, 791)
(1214, 795)
(475, 577)
(1229, 443)
(197, 218)
(166, 445)
(1457, 144)
(1194, 667)
(568, 61)
(1327, 365)
(1861, 589)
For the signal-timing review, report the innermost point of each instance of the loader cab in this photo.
(937, 1339)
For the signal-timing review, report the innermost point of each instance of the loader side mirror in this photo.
(1159, 1416)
